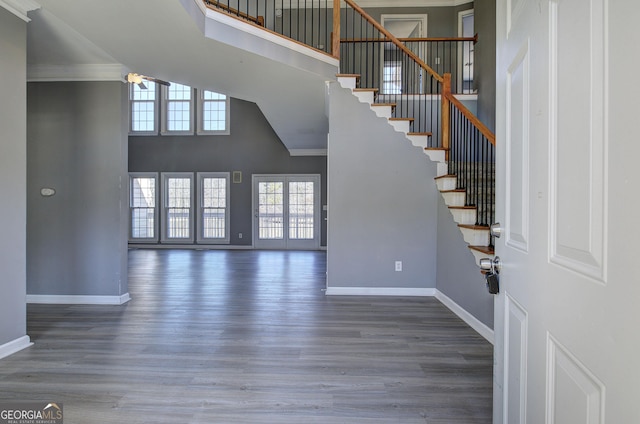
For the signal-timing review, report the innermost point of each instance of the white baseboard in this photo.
(472, 321)
(14, 346)
(78, 299)
(379, 291)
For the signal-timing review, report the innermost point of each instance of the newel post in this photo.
(446, 118)
(335, 35)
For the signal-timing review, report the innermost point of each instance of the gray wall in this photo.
(77, 139)
(458, 276)
(485, 61)
(252, 147)
(13, 181)
(382, 202)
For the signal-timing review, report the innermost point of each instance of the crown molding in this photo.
(78, 72)
(20, 8)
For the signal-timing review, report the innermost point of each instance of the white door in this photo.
(566, 326)
(286, 211)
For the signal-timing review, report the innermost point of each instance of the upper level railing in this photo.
(419, 76)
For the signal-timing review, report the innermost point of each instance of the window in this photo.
(178, 109)
(177, 207)
(213, 209)
(142, 207)
(143, 108)
(392, 77)
(178, 114)
(213, 113)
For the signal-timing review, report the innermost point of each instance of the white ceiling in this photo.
(97, 39)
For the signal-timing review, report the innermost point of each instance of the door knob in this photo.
(495, 230)
(492, 266)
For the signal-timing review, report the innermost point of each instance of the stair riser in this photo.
(436, 155)
(446, 183)
(476, 237)
(382, 111)
(479, 255)
(464, 216)
(419, 141)
(453, 199)
(401, 126)
(364, 96)
(347, 82)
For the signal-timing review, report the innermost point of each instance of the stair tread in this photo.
(483, 249)
(385, 104)
(375, 90)
(428, 134)
(457, 190)
(474, 227)
(445, 176)
(402, 119)
(463, 207)
(348, 76)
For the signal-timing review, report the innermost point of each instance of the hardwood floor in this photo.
(249, 337)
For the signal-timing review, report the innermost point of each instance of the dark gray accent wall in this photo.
(382, 202)
(458, 276)
(76, 239)
(441, 21)
(485, 61)
(13, 179)
(252, 147)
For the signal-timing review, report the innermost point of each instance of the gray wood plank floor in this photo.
(249, 337)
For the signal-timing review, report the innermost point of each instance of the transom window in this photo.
(155, 109)
(143, 106)
(214, 108)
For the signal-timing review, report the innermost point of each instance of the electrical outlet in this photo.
(239, 235)
(437, 60)
(398, 265)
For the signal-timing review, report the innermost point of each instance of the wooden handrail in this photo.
(394, 40)
(215, 4)
(335, 35)
(405, 40)
(472, 118)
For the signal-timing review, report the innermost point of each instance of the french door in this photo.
(286, 211)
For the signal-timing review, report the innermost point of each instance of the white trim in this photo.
(380, 291)
(308, 152)
(20, 9)
(55, 299)
(78, 72)
(14, 346)
(472, 321)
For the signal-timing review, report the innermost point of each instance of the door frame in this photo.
(286, 243)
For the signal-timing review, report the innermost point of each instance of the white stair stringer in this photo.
(476, 237)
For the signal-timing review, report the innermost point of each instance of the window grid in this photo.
(392, 77)
(270, 199)
(214, 111)
(301, 205)
(214, 203)
(178, 107)
(178, 210)
(143, 107)
(142, 204)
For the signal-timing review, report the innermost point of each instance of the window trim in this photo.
(200, 239)
(164, 208)
(200, 115)
(164, 115)
(156, 216)
(156, 104)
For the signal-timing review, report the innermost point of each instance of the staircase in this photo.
(455, 196)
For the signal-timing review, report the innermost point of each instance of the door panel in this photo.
(566, 340)
(286, 211)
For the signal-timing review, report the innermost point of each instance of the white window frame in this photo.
(165, 111)
(156, 102)
(201, 101)
(165, 176)
(200, 208)
(156, 216)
